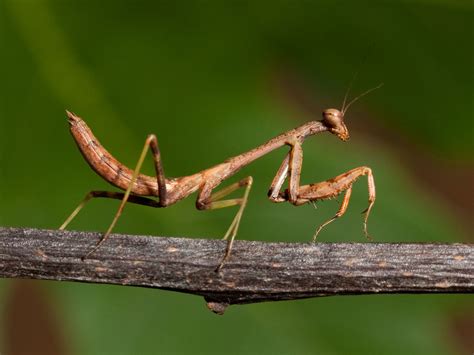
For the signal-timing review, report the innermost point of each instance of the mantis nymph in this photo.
(140, 188)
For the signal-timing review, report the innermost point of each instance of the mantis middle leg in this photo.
(208, 201)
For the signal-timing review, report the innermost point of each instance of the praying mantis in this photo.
(141, 188)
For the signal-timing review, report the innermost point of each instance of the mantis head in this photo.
(333, 119)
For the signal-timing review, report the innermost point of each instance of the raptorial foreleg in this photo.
(278, 180)
(290, 168)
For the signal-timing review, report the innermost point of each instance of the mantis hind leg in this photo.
(152, 143)
(108, 194)
(208, 201)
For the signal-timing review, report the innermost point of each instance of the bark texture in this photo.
(256, 271)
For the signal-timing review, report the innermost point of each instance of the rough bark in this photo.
(256, 271)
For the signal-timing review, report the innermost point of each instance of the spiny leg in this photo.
(290, 168)
(295, 164)
(278, 180)
(214, 202)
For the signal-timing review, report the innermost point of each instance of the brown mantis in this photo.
(139, 188)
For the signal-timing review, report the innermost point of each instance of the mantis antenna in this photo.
(344, 107)
(347, 91)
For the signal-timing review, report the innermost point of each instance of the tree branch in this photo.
(256, 271)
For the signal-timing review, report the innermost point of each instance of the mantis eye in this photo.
(332, 117)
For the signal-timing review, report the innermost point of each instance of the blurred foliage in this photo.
(201, 75)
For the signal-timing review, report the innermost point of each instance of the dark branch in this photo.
(256, 271)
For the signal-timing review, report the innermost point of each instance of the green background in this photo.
(213, 79)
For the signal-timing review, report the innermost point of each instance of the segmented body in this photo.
(119, 175)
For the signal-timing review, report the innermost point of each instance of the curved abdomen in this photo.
(104, 164)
